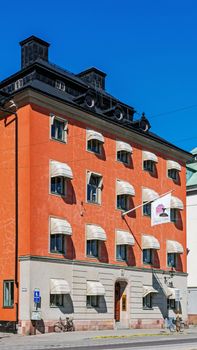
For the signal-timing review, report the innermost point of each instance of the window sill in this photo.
(148, 308)
(60, 141)
(58, 195)
(57, 252)
(121, 260)
(8, 307)
(94, 203)
(93, 152)
(56, 306)
(125, 163)
(92, 257)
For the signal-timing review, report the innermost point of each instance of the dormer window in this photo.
(18, 84)
(60, 85)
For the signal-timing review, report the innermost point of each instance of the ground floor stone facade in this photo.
(120, 306)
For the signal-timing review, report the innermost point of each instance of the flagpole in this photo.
(141, 205)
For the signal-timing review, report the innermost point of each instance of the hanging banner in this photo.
(160, 210)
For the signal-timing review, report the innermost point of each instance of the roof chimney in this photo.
(33, 48)
(94, 77)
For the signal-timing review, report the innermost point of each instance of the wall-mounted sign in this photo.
(124, 302)
(36, 296)
(36, 315)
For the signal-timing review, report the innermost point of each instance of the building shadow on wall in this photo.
(160, 299)
(70, 197)
(156, 259)
(70, 248)
(179, 222)
(131, 261)
(102, 309)
(68, 307)
(103, 256)
(131, 205)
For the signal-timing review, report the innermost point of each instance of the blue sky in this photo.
(148, 48)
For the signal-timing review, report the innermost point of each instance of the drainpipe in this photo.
(9, 104)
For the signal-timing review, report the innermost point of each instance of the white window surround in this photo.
(53, 117)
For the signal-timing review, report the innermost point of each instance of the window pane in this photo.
(171, 259)
(147, 209)
(57, 243)
(94, 146)
(123, 156)
(92, 248)
(121, 252)
(149, 165)
(147, 256)
(122, 201)
(58, 185)
(8, 294)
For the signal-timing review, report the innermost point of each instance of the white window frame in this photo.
(56, 297)
(98, 189)
(127, 200)
(93, 301)
(122, 161)
(147, 168)
(99, 145)
(10, 284)
(54, 117)
(64, 180)
(170, 173)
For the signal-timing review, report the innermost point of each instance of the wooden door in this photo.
(117, 302)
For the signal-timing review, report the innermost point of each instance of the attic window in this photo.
(60, 85)
(18, 84)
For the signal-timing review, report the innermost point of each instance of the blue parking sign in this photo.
(36, 296)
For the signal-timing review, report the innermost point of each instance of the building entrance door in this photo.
(117, 302)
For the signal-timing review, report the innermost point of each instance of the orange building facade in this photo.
(68, 171)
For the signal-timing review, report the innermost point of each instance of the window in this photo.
(123, 202)
(172, 259)
(57, 243)
(147, 301)
(58, 129)
(173, 215)
(171, 304)
(8, 293)
(147, 256)
(94, 184)
(92, 248)
(147, 209)
(18, 84)
(60, 85)
(149, 165)
(173, 174)
(121, 252)
(94, 146)
(123, 157)
(56, 300)
(92, 301)
(58, 185)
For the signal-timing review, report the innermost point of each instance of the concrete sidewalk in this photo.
(87, 338)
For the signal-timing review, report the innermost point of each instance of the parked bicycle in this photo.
(66, 325)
